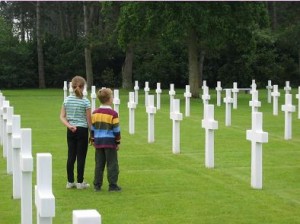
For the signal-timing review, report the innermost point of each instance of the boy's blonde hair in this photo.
(104, 95)
(78, 84)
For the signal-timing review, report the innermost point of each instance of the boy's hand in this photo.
(91, 141)
(117, 147)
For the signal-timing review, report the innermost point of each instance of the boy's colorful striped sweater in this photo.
(105, 127)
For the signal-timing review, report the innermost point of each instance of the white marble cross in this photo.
(219, 91)
(65, 89)
(93, 97)
(71, 91)
(2, 99)
(26, 164)
(44, 198)
(151, 110)
(16, 146)
(287, 87)
(257, 137)
(187, 94)
(298, 97)
(131, 105)
(9, 114)
(88, 216)
(136, 92)
(269, 88)
(176, 116)
(158, 93)
(288, 109)
(205, 95)
(275, 94)
(210, 125)
(172, 95)
(204, 84)
(116, 101)
(254, 103)
(235, 91)
(85, 93)
(4, 133)
(146, 89)
(228, 102)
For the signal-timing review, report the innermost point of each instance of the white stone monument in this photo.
(131, 106)
(116, 100)
(254, 103)
(10, 112)
(287, 87)
(151, 110)
(65, 89)
(136, 92)
(89, 216)
(288, 109)
(147, 90)
(71, 91)
(158, 93)
(203, 84)
(93, 97)
(26, 163)
(228, 102)
(209, 124)
(4, 133)
(235, 91)
(176, 116)
(16, 148)
(172, 95)
(253, 85)
(298, 97)
(85, 93)
(187, 96)
(269, 88)
(2, 99)
(257, 137)
(275, 94)
(44, 198)
(219, 93)
(205, 95)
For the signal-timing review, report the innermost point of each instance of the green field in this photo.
(158, 186)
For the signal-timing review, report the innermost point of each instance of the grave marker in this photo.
(172, 95)
(2, 99)
(219, 91)
(151, 110)
(257, 137)
(158, 92)
(176, 116)
(146, 89)
(235, 91)
(70, 89)
(16, 146)
(44, 198)
(298, 97)
(287, 87)
(65, 89)
(85, 93)
(254, 103)
(116, 100)
(210, 125)
(93, 97)
(269, 88)
(4, 133)
(275, 95)
(26, 164)
(89, 216)
(10, 112)
(288, 109)
(205, 95)
(228, 102)
(136, 92)
(187, 96)
(131, 105)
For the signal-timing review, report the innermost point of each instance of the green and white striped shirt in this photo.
(76, 110)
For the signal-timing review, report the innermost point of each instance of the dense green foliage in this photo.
(240, 41)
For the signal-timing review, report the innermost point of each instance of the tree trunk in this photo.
(299, 61)
(87, 49)
(201, 64)
(193, 64)
(273, 12)
(127, 68)
(40, 48)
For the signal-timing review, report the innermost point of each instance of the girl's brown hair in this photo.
(78, 84)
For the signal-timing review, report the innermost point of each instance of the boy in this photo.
(106, 136)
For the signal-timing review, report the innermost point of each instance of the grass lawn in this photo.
(158, 186)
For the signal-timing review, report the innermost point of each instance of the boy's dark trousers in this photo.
(77, 149)
(110, 158)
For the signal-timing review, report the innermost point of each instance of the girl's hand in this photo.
(73, 128)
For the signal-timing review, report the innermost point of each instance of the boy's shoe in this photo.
(82, 185)
(114, 188)
(97, 189)
(70, 185)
